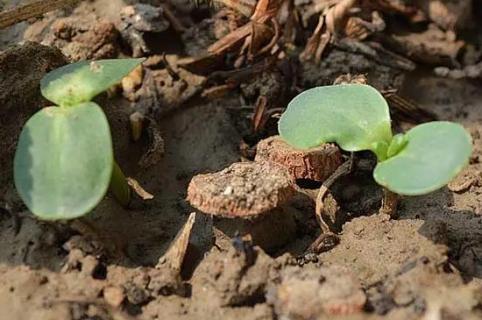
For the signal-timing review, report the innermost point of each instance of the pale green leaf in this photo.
(64, 161)
(354, 116)
(434, 154)
(81, 81)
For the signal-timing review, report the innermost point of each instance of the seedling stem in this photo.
(389, 203)
(119, 187)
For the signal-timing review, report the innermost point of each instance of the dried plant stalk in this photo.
(329, 24)
(31, 10)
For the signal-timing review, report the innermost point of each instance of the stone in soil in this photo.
(138, 19)
(114, 296)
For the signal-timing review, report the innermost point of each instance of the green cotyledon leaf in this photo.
(434, 154)
(81, 81)
(354, 116)
(64, 161)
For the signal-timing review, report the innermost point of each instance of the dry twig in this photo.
(31, 10)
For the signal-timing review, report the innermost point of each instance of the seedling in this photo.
(357, 118)
(64, 162)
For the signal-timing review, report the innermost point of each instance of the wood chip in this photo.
(314, 164)
(174, 257)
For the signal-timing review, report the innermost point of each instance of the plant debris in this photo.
(315, 164)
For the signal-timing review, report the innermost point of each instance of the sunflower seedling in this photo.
(64, 162)
(357, 118)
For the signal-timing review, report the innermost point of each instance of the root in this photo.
(327, 239)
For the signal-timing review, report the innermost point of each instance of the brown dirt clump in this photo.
(314, 164)
(314, 291)
(20, 93)
(421, 287)
(233, 278)
(242, 189)
(79, 37)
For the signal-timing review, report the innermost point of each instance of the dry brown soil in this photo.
(426, 264)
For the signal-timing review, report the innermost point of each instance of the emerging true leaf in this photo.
(397, 144)
(64, 160)
(434, 154)
(81, 81)
(353, 115)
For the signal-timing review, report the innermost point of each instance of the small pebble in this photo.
(114, 296)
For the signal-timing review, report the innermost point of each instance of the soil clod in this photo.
(243, 189)
(314, 291)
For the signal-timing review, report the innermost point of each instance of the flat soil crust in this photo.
(426, 264)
